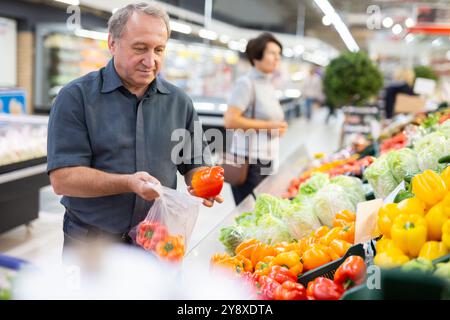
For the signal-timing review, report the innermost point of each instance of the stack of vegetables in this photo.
(276, 220)
(351, 166)
(396, 142)
(391, 168)
(279, 282)
(417, 226)
(323, 245)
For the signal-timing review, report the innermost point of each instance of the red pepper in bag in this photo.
(150, 233)
(324, 289)
(351, 272)
(290, 290)
(208, 182)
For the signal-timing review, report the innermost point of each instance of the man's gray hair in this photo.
(119, 19)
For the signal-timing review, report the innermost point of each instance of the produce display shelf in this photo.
(22, 164)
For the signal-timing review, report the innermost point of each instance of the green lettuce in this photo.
(402, 162)
(380, 177)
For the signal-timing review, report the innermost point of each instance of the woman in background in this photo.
(253, 105)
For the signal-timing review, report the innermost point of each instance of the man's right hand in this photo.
(139, 184)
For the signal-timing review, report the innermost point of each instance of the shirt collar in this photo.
(112, 81)
(255, 73)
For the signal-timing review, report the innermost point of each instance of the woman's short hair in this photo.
(255, 47)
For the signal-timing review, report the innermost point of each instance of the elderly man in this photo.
(110, 132)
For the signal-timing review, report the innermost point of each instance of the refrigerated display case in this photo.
(23, 145)
(62, 55)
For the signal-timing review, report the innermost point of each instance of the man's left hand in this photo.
(207, 202)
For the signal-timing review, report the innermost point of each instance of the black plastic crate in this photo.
(328, 270)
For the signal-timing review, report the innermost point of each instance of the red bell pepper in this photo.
(324, 289)
(150, 233)
(208, 182)
(266, 288)
(290, 290)
(281, 274)
(351, 272)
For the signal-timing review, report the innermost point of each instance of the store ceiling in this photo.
(302, 16)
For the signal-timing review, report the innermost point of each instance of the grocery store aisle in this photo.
(41, 242)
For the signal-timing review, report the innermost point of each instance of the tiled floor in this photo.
(42, 242)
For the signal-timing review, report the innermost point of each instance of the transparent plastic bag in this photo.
(167, 229)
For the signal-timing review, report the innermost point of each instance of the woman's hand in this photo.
(280, 127)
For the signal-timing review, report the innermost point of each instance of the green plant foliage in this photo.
(425, 72)
(351, 79)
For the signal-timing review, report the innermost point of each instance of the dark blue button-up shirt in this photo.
(93, 124)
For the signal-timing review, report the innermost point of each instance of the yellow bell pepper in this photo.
(436, 217)
(429, 187)
(446, 234)
(386, 216)
(291, 260)
(384, 244)
(409, 233)
(391, 258)
(432, 250)
(412, 206)
(445, 175)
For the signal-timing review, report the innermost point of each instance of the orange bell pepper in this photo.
(171, 248)
(331, 235)
(246, 248)
(314, 257)
(344, 218)
(246, 263)
(288, 246)
(319, 233)
(260, 251)
(347, 233)
(262, 268)
(340, 247)
(290, 260)
(305, 243)
(219, 257)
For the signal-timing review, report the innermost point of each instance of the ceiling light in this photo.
(409, 22)
(208, 34)
(180, 27)
(326, 20)
(388, 22)
(91, 34)
(397, 29)
(288, 52)
(299, 49)
(236, 46)
(71, 2)
(339, 25)
(224, 38)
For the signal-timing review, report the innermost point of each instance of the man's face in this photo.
(138, 54)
